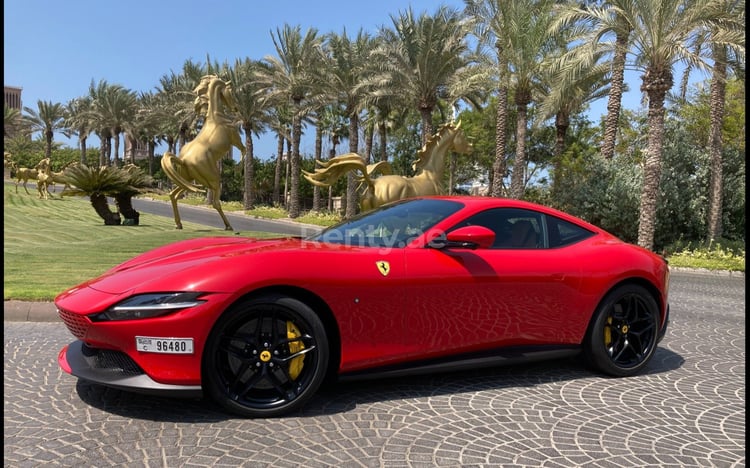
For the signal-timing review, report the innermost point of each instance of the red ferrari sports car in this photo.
(423, 285)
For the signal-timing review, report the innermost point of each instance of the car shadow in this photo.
(342, 397)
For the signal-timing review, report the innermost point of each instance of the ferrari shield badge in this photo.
(384, 267)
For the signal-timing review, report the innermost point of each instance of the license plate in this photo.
(150, 344)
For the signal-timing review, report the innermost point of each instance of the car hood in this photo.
(171, 259)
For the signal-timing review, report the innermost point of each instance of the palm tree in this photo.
(97, 183)
(78, 121)
(288, 77)
(530, 46)
(281, 124)
(594, 26)
(136, 182)
(419, 60)
(332, 123)
(12, 122)
(145, 127)
(47, 119)
(725, 51)
(493, 21)
(99, 118)
(253, 113)
(663, 31)
(569, 90)
(346, 66)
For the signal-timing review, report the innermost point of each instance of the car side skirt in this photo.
(507, 356)
(87, 364)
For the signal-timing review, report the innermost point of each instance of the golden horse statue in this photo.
(196, 168)
(375, 192)
(43, 178)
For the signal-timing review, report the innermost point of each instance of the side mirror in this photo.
(468, 237)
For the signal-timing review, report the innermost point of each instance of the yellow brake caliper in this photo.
(295, 365)
(608, 332)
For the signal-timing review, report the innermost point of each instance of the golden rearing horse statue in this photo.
(196, 168)
(374, 192)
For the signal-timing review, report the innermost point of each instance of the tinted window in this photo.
(525, 229)
(563, 233)
(514, 228)
(393, 225)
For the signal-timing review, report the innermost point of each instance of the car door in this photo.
(463, 300)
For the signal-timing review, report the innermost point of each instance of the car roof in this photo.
(477, 203)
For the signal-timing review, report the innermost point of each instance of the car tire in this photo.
(265, 356)
(623, 334)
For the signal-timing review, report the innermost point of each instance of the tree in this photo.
(78, 122)
(47, 119)
(662, 33)
(253, 117)
(12, 122)
(346, 66)
(419, 61)
(288, 77)
(663, 29)
(569, 90)
(723, 49)
(100, 182)
(593, 26)
(517, 30)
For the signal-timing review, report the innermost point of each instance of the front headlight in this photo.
(149, 306)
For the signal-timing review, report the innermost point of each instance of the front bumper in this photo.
(117, 370)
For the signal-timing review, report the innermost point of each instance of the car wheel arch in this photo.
(641, 288)
(319, 306)
(644, 283)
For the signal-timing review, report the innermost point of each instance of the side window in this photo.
(562, 233)
(514, 228)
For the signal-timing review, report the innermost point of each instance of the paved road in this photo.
(686, 409)
(210, 217)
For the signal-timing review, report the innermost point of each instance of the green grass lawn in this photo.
(51, 245)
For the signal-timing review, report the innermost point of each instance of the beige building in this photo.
(13, 97)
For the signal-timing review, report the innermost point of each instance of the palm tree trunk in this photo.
(718, 92)
(499, 166)
(656, 83)
(427, 129)
(294, 195)
(277, 169)
(562, 122)
(124, 204)
(351, 187)
(82, 142)
(249, 196)
(382, 129)
(318, 155)
(518, 178)
(99, 202)
(369, 137)
(116, 157)
(615, 95)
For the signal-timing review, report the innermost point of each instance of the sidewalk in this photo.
(23, 311)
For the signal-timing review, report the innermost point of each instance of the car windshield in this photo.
(392, 225)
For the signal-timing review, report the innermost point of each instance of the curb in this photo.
(25, 311)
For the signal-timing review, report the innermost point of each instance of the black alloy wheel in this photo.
(624, 332)
(265, 357)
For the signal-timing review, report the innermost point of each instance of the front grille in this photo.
(115, 361)
(77, 325)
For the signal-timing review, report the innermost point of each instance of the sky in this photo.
(54, 49)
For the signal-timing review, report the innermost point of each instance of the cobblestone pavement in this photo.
(686, 409)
